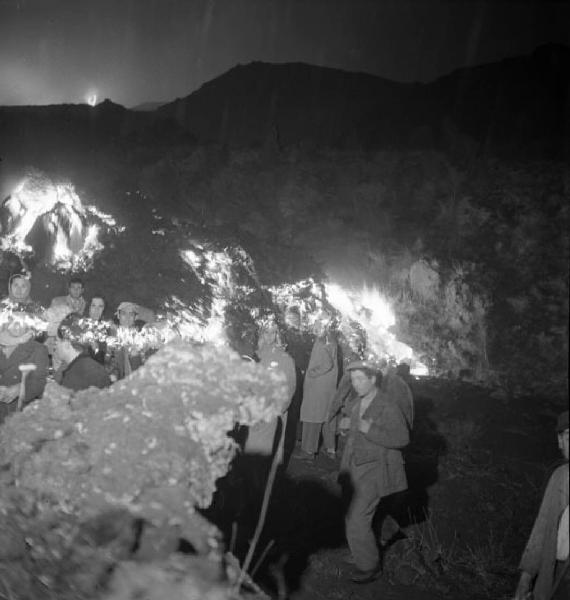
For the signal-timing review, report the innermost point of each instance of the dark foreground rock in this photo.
(103, 485)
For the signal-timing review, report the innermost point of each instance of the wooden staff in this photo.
(25, 369)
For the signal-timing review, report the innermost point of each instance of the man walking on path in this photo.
(377, 430)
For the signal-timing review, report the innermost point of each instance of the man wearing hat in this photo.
(17, 349)
(544, 563)
(372, 460)
(130, 318)
(130, 314)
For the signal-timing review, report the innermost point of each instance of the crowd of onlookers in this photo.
(66, 340)
(364, 401)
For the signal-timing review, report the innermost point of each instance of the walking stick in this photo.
(25, 369)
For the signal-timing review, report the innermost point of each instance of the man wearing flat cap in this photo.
(130, 318)
(544, 563)
(20, 353)
(377, 430)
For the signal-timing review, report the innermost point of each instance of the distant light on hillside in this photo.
(91, 98)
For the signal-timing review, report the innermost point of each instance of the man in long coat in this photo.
(377, 431)
(319, 388)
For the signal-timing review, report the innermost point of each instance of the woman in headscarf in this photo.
(19, 288)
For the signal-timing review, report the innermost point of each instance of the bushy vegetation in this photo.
(473, 253)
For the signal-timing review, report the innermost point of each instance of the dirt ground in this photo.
(476, 467)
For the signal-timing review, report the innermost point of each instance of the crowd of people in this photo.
(359, 404)
(66, 340)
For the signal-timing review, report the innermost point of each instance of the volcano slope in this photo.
(472, 255)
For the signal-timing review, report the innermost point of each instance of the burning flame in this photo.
(223, 272)
(372, 311)
(212, 268)
(366, 305)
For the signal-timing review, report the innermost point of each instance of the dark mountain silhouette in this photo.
(33, 133)
(147, 106)
(516, 104)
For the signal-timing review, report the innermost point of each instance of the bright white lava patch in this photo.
(72, 227)
(359, 310)
(373, 312)
(91, 98)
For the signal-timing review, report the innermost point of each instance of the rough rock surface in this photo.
(78, 466)
(158, 437)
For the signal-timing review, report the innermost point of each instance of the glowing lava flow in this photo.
(373, 313)
(65, 219)
(213, 268)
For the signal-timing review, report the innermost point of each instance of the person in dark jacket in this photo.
(372, 461)
(79, 371)
(100, 327)
(20, 357)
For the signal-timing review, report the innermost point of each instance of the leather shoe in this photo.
(302, 455)
(366, 576)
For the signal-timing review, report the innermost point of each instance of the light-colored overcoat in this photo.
(319, 386)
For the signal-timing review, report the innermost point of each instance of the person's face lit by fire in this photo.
(362, 382)
(293, 319)
(76, 290)
(20, 288)
(320, 328)
(269, 336)
(63, 350)
(127, 317)
(96, 308)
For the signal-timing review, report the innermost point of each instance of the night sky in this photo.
(134, 51)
